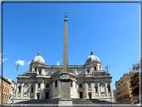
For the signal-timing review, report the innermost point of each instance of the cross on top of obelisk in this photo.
(65, 15)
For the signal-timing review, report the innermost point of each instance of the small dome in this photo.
(38, 58)
(92, 57)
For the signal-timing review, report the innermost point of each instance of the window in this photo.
(71, 83)
(19, 89)
(32, 90)
(55, 83)
(38, 85)
(108, 88)
(96, 89)
(88, 71)
(95, 68)
(47, 85)
(35, 69)
(80, 85)
(39, 72)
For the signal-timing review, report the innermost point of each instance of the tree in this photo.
(135, 84)
(135, 79)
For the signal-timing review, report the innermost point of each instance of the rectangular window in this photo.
(19, 89)
(55, 83)
(38, 85)
(32, 90)
(95, 68)
(80, 85)
(39, 72)
(96, 89)
(47, 85)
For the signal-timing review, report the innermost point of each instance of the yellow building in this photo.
(123, 88)
(4, 90)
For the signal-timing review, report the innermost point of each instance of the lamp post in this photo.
(17, 67)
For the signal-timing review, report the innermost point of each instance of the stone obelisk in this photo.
(65, 77)
(65, 51)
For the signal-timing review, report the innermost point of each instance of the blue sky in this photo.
(110, 29)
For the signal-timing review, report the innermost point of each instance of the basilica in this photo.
(86, 81)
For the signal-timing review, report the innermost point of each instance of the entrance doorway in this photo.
(47, 95)
(38, 96)
(81, 94)
(90, 96)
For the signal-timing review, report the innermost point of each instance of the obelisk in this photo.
(65, 77)
(65, 51)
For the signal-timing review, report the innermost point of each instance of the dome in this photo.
(38, 58)
(92, 57)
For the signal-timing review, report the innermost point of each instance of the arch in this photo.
(90, 95)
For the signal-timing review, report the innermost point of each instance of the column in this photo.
(86, 88)
(92, 89)
(99, 89)
(53, 85)
(111, 89)
(41, 90)
(29, 89)
(58, 85)
(106, 89)
(17, 90)
(73, 85)
(22, 89)
(35, 91)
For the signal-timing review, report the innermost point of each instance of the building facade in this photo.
(124, 89)
(12, 93)
(87, 81)
(5, 89)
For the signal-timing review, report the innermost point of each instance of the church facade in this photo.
(87, 81)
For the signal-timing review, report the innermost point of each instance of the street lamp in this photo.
(17, 65)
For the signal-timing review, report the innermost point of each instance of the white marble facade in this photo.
(42, 81)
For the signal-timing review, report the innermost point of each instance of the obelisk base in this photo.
(65, 101)
(65, 89)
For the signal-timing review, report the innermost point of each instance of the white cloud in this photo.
(21, 62)
(5, 59)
